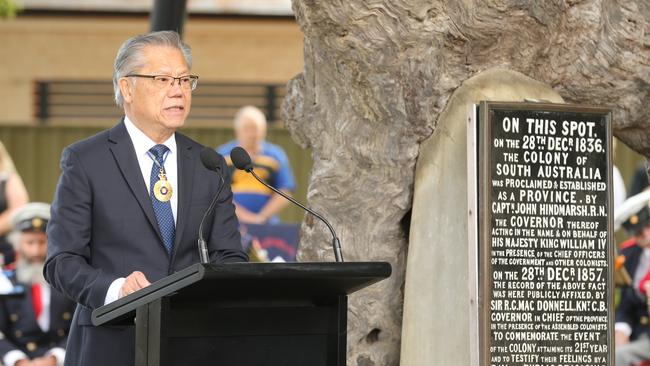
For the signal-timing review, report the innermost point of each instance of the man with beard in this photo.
(34, 326)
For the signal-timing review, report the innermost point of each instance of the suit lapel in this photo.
(185, 165)
(124, 154)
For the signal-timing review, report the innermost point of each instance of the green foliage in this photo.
(8, 9)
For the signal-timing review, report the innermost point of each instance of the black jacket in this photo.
(20, 331)
(103, 227)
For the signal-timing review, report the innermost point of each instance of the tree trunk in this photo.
(377, 75)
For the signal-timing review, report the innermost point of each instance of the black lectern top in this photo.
(238, 281)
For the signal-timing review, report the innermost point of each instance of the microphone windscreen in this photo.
(210, 159)
(240, 159)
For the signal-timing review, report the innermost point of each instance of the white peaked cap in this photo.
(630, 207)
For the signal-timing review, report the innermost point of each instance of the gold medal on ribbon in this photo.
(162, 190)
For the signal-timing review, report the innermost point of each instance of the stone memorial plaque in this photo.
(545, 235)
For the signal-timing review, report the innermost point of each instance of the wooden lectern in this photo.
(253, 314)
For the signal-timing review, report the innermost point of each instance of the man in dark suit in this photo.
(129, 201)
(34, 326)
(631, 328)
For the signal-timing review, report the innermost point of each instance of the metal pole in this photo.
(168, 15)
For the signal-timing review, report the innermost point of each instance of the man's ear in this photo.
(126, 88)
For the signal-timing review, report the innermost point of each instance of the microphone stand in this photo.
(336, 244)
(203, 247)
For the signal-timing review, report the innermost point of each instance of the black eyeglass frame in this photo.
(194, 79)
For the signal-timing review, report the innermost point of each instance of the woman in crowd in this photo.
(12, 195)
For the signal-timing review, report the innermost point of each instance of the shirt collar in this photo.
(142, 143)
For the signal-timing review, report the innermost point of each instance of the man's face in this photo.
(156, 109)
(249, 134)
(33, 246)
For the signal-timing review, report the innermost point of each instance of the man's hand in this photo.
(134, 282)
(255, 219)
(44, 361)
(621, 338)
(38, 361)
(274, 205)
(248, 217)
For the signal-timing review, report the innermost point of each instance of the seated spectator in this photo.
(12, 195)
(256, 204)
(631, 327)
(34, 326)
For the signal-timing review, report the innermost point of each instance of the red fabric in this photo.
(644, 363)
(626, 244)
(642, 283)
(37, 301)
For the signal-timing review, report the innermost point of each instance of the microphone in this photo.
(242, 161)
(210, 161)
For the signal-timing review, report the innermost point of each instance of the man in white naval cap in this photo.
(34, 326)
(631, 327)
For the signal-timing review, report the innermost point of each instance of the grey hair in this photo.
(129, 57)
(252, 112)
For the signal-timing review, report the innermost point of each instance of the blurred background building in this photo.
(56, 68)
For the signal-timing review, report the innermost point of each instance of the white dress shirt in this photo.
(142, 144)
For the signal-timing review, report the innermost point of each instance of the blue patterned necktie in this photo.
(163, 210)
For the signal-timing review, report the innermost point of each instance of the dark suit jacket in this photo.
(103, 227)
(21, 331)
(632, 309)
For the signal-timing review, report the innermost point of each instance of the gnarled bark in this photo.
(378, 73)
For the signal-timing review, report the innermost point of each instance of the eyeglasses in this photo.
(187, 82)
